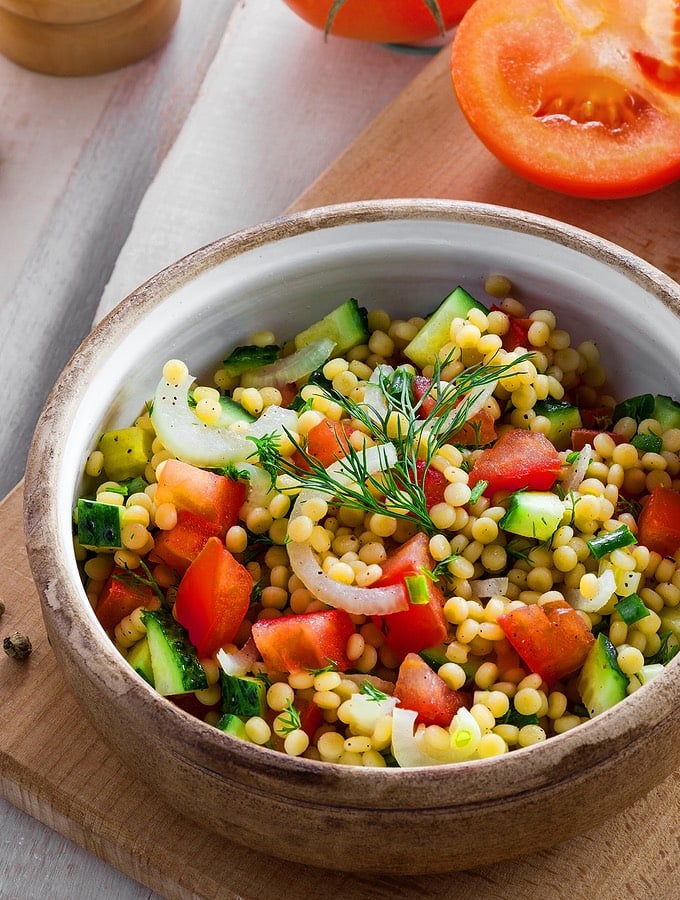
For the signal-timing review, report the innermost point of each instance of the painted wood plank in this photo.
(132, 116)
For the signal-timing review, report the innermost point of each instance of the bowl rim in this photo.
(496, 778)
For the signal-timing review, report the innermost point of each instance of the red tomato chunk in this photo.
(213, 598)
(306, 641)
(419, 688)
(659, 522)
(213, 497)
(519, 459)
(552, 639)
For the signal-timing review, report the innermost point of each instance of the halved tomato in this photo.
(383, 21)
(579, 97)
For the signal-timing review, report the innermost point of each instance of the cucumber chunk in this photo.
(535, 514)
(601, 683)
(425, 346)
(126, 451)
(563, 418)
(99, 525)
(249, 357)
(139, 657)
(231, 724)
(666, 412)
(243, 695)
(176, 669)
(346, 326)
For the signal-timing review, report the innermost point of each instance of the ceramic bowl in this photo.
(404, 255)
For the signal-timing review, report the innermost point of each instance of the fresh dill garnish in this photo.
(288, 719)
(666, 651)
(230, 470)
(477, 491)
(518, 549)
(441, 568)
(331, 667)
(371, 691)
(396, 490)
(256, 592)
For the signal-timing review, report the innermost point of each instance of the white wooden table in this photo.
(105, 180)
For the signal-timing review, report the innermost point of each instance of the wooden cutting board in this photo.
(53, 766)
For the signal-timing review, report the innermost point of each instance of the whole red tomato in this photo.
(382, 21)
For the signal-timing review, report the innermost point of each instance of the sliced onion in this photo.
(406, 747)
(291, 368)
(186, 437)
(238, 662)
(376, 601)
(606, 587)
(208, 446)
(489, 587)
(477, 399)
(362, 713)
(577, 471)
(374, 401)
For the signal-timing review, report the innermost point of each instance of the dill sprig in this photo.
(396, 490)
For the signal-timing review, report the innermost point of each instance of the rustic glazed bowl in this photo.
(406, 256)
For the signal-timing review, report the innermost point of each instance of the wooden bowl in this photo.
(59, 37)
(406, 255)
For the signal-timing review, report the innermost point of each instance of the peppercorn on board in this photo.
(56, 768)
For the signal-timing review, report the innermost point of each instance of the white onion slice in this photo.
(376, 601)
(238, 662)
(374, 401)
(186, 437)
(489, 587)
(577, 471)
(408, 752)
(477, 399)
(606, 587)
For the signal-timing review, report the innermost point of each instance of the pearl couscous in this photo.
(392, 542)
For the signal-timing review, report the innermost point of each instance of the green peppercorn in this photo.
(17, 645)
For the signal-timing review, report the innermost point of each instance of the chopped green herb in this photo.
(573, 456)
(604, 543)
(371, 691)
(647, 443)
(666, 651)
(477, 491)
(288, 719)
(631, 609)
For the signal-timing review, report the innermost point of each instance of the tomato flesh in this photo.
(659, 522)
(383, 21)
(419, 688)
(519, 459)
(422, 624)
(571, 96)
(213, 598)
(305, 641)
(178, 547)
(120, 596)
(552, 639)
(215, 498)
(328, 441)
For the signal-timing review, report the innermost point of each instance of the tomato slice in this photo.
(308, 641)
(419, 688)
(328, 441)
(422, 624)
(384, 21)
(659, 522)
(582, 436)
(578, 97)
(178, 547)
(213, 598)
(120, 596)
(519, 459)
(213, 497)
(552, 639)
(478, 431)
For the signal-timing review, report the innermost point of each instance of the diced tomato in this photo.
(213, 598)
(419, 688)
(179, 546)
(478, 431)
(311, 717)
(519, 459)
(215, 498)
(420, 386)
(422, 624)
(308, 641)
(599, 418)
(328, 441)
(433, 483)
(552, 639)
(517, 334)
(582, 436)
(120, 596)
(659, 522)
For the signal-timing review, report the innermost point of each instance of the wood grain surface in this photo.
(52, 764)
